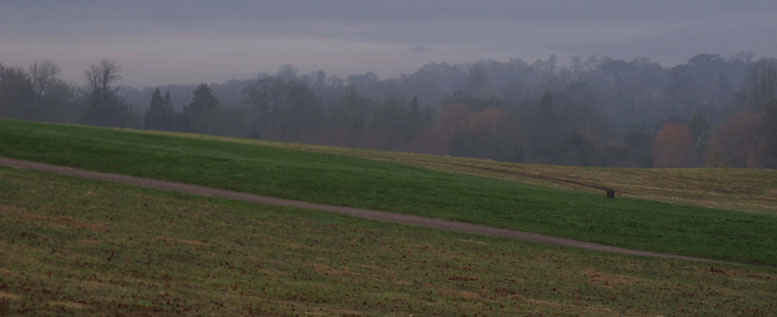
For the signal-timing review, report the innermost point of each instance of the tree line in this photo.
(711, 111)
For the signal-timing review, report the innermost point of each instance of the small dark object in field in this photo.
(610, 193)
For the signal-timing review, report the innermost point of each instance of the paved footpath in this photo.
(348, 211)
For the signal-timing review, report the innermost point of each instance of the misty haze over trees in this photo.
(711, 111)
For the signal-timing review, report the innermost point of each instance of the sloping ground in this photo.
(74, 246)
(368, 184)
(348, 211)
(734, 189)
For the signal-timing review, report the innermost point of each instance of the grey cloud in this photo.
(344, 35)
(420, 49)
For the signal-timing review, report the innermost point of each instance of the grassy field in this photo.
(341, 180)
(103, 248)
(735, 189)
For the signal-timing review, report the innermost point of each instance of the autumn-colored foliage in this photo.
(738, 143)
(673, 146)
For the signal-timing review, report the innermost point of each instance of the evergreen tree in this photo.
(168, 100)
(203, 99)
(160, 114)
(193, 116)
(414, 104)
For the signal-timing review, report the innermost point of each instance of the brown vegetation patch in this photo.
(289, 244)
(272, 272)
(91, 226)
(5, 295)
(67, 221)
(473, 241)
(330, 270)
(21, 212)
(742, 274)
(303, 306)
(184, 241)
(404, 283)
(609, 280)
(459, 294)
(187, 211)
(547, 303)
(92, 284)
(70, 305)
(90, 242)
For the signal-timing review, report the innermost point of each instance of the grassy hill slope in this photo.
(342, 180)
(103, 248)
(742, 189)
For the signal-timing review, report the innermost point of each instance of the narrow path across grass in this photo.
(349, 211)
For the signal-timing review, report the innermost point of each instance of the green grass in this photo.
(105, 249)
(745, 189)
(341, 180)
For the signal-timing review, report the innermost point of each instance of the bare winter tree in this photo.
(103, 104)
(44, 77)
(763, 82)
(100, 79)
(52, 94)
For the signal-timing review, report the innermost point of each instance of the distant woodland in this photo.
(712, 111)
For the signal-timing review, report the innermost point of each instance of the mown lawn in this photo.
(342, 180)
(74, 246)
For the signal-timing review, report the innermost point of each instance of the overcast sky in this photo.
(160, 42)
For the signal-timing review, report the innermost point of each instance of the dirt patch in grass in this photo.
(271, 272)
(609, 280)
(328, 270)
(91, 283)
(553, 304)
(473, 241)
(63, 221)
(21, 212)
(291, 245)
(69, 305)
(459, 294)
(69, 221)
(183, 241)
(4, 295)
(742, 274)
